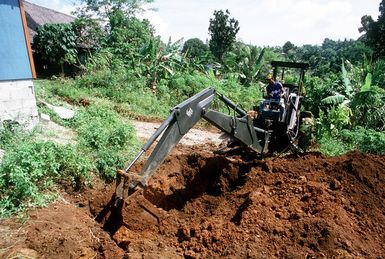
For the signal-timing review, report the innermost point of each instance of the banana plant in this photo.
(245, 62)
(160, 60)
(348, 89)
(368, 105)
(365, 100)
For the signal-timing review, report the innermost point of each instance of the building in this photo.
(17, 93)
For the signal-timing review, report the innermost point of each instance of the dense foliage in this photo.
(56, 43)
(30, 170)
(375, 31)
(195, 48)
(105, 9)
(326, 59)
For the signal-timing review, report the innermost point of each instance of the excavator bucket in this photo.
(128, 209)
(127, 197)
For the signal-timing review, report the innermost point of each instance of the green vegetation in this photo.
(128, 73)
(195, 48)
(30, 170)
(62, 49)
(375, 31)
(223, 31)
(105, 138)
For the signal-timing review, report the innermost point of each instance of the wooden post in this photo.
(27, 41)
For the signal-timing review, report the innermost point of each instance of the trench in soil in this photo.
(193, 176)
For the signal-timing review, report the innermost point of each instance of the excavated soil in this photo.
(210, 206)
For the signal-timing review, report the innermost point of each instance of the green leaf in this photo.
(334, 99)
(346, 80)
(368, 83)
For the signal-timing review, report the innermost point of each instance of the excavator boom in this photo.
(181, 119)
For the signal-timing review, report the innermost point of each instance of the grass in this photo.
(130, 96)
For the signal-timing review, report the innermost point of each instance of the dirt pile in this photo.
(61, 230)
(218, 206)
(234, 207)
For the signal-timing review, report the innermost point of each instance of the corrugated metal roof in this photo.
(38, 15)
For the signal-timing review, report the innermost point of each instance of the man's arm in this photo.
(269, 91)
(282, 89)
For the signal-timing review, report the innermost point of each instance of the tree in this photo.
(103, 9)
(127, 34)
(375, 31)
(56, 43)
(89, 33)
(245, 61)
(194, 48)
(289, 50)
(287, 47)
(223, 31)
(124, 33)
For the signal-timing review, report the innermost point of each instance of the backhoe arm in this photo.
(181, 119)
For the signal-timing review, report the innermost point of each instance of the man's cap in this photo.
(269, 76)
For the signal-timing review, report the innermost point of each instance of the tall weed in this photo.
(109, 141)
(365, 140)
(31, 168)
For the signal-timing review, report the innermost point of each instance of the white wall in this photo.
(18, 102)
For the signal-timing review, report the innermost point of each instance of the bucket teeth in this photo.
(137, 199)
(126, 184)
(129, 194)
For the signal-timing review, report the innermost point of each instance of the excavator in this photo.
(271, 129)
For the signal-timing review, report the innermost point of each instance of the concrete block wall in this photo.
(18, 102)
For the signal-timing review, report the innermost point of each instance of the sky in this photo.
(261, 22)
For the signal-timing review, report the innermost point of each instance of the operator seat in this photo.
(271, 109)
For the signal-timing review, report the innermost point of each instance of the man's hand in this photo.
(252, 114)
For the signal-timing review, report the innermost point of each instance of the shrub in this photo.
(365, 140)
(106, 137)
(332, 146)
(107, 160)
(30, 168)
(369, 109)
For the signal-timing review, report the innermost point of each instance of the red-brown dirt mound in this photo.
(234, 207)
(218, 206)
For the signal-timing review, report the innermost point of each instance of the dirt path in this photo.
(193, 137)
(54, 132)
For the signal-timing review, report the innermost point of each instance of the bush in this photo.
(359, 138)
(365, 140)
(106, 137)
(369, 109)
(107, 160)
(332, 146)
(30, 168)
(100, 127)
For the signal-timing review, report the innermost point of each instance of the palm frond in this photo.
(334, 99)
(346, 81)
(367, 86)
